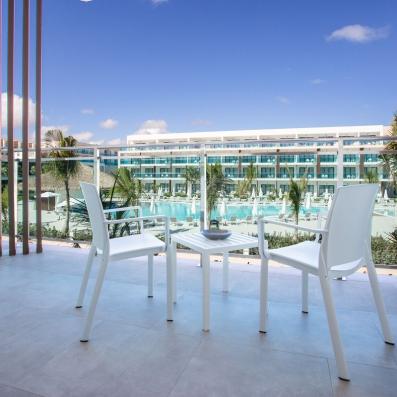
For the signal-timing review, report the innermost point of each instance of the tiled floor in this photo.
(135, 352)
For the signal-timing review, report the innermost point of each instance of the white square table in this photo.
(198, 243)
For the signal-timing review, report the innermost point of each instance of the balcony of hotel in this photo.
(270, 310)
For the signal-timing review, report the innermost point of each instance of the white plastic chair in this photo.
(114, 249)
(345, 247)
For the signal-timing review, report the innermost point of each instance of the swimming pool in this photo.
(182, 210)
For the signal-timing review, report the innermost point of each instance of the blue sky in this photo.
(115, 67)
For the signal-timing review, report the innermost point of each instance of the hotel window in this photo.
(310, 188)
(326, 188)
(214, 160)
(163, 161)
(248, 159)
(268, 159)
(327, 158)
(286, 158)
(231, 159)
(231, 172)
(284, 188)
(267, 188)
(180, 172)
(267, 172)
(371, 158)
(306, 158)
(284, 172)
(327, 172)
(147, 161)
(349, 158)
(148, 172)
(349, 173)
(308, 172)
(194, 160)
(370, 170)
(180, 160)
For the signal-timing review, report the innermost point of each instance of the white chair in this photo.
(344, 247)
(141, 244)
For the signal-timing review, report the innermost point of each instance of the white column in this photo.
(339, 166)
(203, 190)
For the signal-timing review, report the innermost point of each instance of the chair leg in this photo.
(86, 276)
(94, 299)
(170, 307)
(150, 276)
(173, 264)
(343, 372)
(206, 292)
(305, 292)
(225, 272)
(263, 295)
(380, 306)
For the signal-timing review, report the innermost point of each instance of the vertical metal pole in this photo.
(10, 127)
(203, 189)
(25, 129)
(339, 167)
(1, 123)
(97, 168)
(16, 170)
(39, 232)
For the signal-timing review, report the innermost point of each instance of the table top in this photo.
(199, 243)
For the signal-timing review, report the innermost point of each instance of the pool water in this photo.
(181, 211)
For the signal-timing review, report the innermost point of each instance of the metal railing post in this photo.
(97, 168)
(339, 166)
(203, 189)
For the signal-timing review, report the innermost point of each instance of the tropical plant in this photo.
(389, 160)
(4, 203)
(371, 177)
(129, 190)
(192, 175)
(296, 193)
(243, 187)
(61, 166)
(216, 183)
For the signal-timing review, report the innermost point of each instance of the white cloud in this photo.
(359, 33)
(317, 81)
(151, 127)
(83, 136)
(64, 128)
(116, 141)
(87, 111)
(17, 110)
(201, 122)
(109, 124)
(157, 2)
(283, 99)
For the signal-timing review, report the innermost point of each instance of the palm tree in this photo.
(371, 177)
(192, 175)
(61, 167)
(296, 194)
(129, 189)
(216, 183)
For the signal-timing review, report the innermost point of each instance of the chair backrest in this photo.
(100, 235)
(349, 225)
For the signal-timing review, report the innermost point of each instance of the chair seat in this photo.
(138, 244)
(305, 256)
(302, 255)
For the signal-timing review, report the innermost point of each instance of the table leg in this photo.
(206, 292)
(225, 274)
(173, 260)
(170, 308)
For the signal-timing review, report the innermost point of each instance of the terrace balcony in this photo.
(134, 351)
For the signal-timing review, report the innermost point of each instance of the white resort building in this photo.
(276, 154)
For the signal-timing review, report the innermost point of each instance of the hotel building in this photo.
(162, 159)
